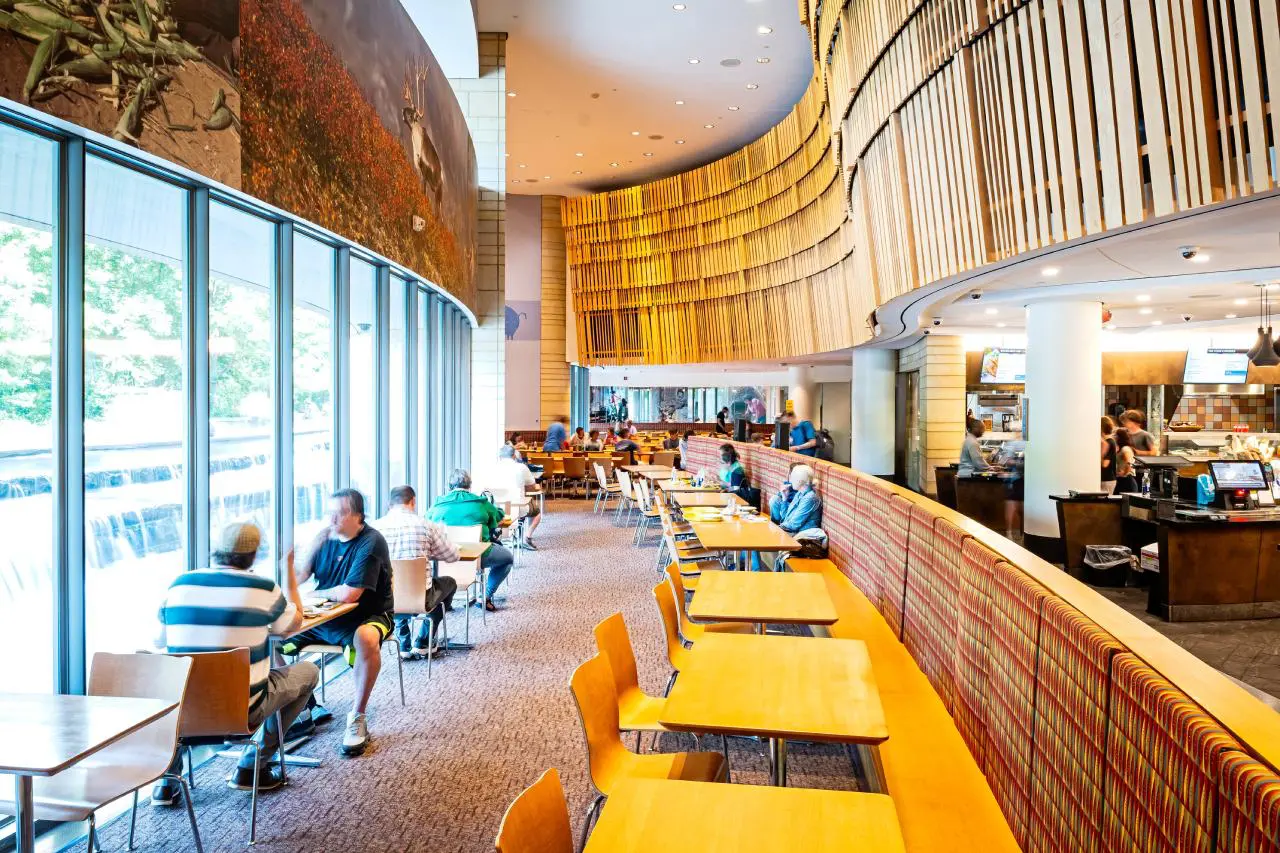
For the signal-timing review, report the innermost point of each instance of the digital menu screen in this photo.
(1216, 367)
(1245, 474)
(1001, 366)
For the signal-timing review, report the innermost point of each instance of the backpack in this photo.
(826, 448)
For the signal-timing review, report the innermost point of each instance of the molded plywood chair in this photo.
(409, 585)
(637, 711)
(537, 821)
(665, 458)
(677, 653)
(468, 574)
(130, 763)
(574, 472)
(609, 760)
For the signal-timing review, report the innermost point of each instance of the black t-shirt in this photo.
(362, 563)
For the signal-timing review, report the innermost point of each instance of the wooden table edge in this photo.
(771, 620)
(869, 739)
(58, 768)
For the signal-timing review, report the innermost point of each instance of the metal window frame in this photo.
(341, 367)
(196, 383)
(282, 388)
(382, 396)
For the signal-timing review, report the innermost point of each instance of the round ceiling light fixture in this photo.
(578, 154)
(515, 180)
(734, 109)
(753, 85)
(763, 30)
(679, 7)
(679, 142)
(708, 126)
(648, 153)
(511, 94)
(763, 60)
(614, 165)
(635, 133)
(694, 61)
(1050, 272)
(679, 103)
(577, 172)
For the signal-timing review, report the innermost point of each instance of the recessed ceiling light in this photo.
(991, 312)
(679, 103)
(511, 94)
(1157, 322)
(753, 85)
(764, 31)
(614, 165)
(1050, 272)
(504, 154)
(1231, 316)
(1201, 258)
(708, 126)
(546, 177)
(733, 109)
(1240, 302)
(1143, 297)
(578, 154)
(522, 165)
(1144, 310)
(694, 61)
(763, 60)
(1001, 325)
(679, 142)
(679, 7)
(648, 153)
(635, 133)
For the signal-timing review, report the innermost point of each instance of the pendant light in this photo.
(1263, 352)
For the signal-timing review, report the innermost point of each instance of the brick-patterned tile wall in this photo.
(1224, 411)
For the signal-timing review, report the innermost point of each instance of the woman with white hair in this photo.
(797, 506)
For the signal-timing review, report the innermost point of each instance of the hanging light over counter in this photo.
(1263, 352)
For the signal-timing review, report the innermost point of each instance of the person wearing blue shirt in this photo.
(797, 506)
(803, 438)
(557, 434)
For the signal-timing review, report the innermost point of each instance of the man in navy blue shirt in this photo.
(557, 435)
(804, 438)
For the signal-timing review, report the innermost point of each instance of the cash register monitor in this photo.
(1246, 474)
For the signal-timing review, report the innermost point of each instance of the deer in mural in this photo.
(426, 162)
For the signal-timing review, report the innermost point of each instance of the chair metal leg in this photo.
(399, 672)
(191, 769)
(191, 814)
(253, 797)
(284, 779)
(323, 658)
(94, 846)
(133, 817)
(587, 819)
(671, 682)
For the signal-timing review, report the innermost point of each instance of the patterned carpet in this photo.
(441, 771)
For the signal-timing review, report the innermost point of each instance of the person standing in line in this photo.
(1109, 456)
(803, 437)
(1135, 423)
(1126, 481)
(722, 422)
(557, 435)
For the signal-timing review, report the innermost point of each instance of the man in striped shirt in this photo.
(410, 537)
(227, 607)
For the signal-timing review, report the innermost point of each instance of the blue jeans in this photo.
(497, 563)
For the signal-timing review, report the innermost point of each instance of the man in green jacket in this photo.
(461, 507)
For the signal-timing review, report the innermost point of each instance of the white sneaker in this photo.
(356, 737)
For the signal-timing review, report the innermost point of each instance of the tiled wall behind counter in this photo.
(1224, 411)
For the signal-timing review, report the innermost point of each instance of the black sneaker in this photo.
(167, 793)
(303, 726)
(529, 546)
(422, 648)
(269, 779)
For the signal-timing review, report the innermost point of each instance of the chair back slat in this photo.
(217, 698)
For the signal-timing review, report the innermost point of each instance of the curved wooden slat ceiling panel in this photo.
(936, 137)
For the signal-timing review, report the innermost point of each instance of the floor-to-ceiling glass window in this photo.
(27, 591)
(362, 337)
(241, 397)
(422, 477)
(398, 390)
(313, 412)
(134, 402)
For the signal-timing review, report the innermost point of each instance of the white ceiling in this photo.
(588, 73)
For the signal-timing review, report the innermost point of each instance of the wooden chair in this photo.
(215, 710)
(637, 711)
(605, 488)
(574, 472)
(608, 758)
(694, 631)
(678, 655)
(665, 458)
(468, 574)
(410, 581)
(130, 763)
(537, 821)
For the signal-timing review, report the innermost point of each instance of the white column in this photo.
(1064, 375)
(803, 391)
(874, 404)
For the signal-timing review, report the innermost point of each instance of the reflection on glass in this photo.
(312, 385)
(134, 403)
(27, 621)
(362, 336)
(423, 355)
(399, 390)
(241, 405)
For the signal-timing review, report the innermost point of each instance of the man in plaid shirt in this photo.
(410, 536)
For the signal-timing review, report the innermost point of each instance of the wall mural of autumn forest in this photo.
(334, 110)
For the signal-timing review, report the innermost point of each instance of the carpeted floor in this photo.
(441, 771)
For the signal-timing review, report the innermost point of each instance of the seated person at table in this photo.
(578, 440)
(971, 458)
(797, 506)
(610, 438)
(557, 435)
(411, 537)
(630, 429)
(684, 446)
(460, 507)
(228, 606)
(672, 441)
(511, 482)
(625, 443)
(732, 474)
(351, 564)
(593, 442)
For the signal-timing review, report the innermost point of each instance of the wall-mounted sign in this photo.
(1003, 366)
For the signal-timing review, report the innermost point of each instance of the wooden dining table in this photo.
(763, 598)
(45, 734)
(705, 498)
(782, 688)
(743, 535)
(675, 816)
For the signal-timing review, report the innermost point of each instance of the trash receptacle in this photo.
(1106, 565)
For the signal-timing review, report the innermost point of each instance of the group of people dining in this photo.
(620, 437)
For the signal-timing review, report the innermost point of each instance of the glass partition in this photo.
(362, 340)
(313, 373)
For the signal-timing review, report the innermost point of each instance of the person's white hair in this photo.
(801, 476)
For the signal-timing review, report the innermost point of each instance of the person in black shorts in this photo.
(351, 564)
